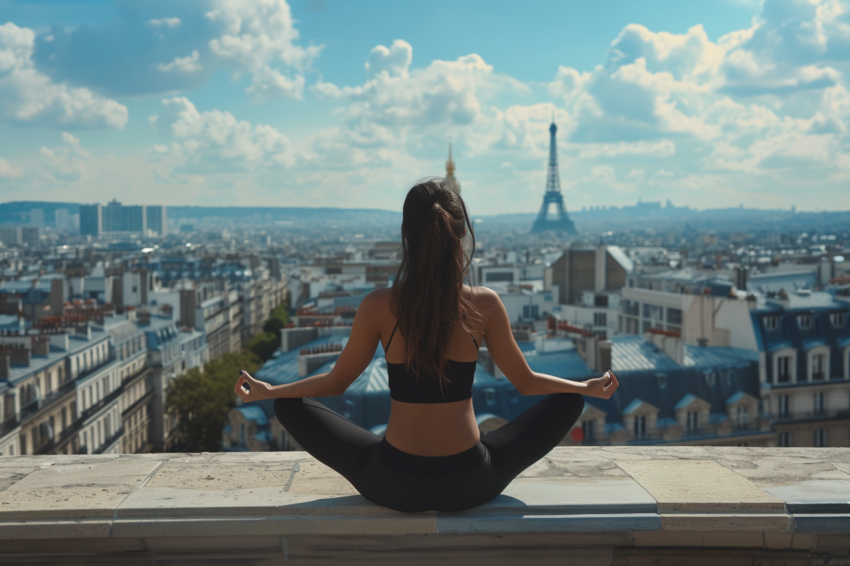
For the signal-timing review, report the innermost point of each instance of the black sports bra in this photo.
(406, 388)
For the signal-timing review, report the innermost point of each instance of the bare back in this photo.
(432, 429)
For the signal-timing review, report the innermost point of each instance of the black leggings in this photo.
(406, 482)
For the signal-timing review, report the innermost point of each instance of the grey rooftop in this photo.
(583, 505)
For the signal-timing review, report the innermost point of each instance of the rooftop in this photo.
(582, 505)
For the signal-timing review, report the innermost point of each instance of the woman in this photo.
(430, 325)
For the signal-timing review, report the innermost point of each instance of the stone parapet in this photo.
(582, 505)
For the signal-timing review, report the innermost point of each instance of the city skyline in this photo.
(318, 103)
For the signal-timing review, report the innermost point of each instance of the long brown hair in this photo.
(427, 296)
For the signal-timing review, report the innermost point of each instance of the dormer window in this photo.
(640, 426)
(804, 321)
(693, 421)
(837, 319)
(743, 417)
(771, 323)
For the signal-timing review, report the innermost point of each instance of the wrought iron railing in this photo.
(793, 416)
(110, 441)
(9, 425)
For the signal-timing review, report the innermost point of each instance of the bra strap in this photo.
(476, 342)
(390, 341)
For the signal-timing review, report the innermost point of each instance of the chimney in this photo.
(143, 317)
(604, 357)
(308, 363)
(16, 353)
(59, 340)
(57, 296)
(83, 329)
(291, 338)
(5, 367)
(41, 345)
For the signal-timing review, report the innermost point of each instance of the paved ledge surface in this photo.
(585, 505)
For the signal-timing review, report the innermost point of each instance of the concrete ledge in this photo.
(610, 505)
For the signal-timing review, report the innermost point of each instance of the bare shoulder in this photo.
(377, 301)
(485, 300)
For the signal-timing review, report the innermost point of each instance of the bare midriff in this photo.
(432, 429)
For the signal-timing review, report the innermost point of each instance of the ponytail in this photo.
(427, 297)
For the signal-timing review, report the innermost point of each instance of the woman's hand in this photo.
(250, 389)
(602, 387)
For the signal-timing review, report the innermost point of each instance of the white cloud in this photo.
(215, 140)
(30, 97)
(164, 22)
(269, 82)
(65, 163)
(662, 148)
(258, 33)
(394, 61)
(9, 171)
(188, 64)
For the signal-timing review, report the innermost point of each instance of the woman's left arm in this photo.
(354, 358)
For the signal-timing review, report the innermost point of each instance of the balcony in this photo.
(37, 405)
(100, 404)
(579, 505)
(110, 441)
(9, 425)
(811, 416)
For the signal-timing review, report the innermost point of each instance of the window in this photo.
(587, 427)
(530, 311)
(600, 319)
(804, 321)
(490, 396)
(784, 402)
(710, 378)
(646, 310)
(820, 437)
(693, 421)
(771, 323)
(785, 439)
(631, 307)
(837, 319)
(491, 277)
(640, 426)
(783, 364)
(819, 406)
(674, 316)
(818, 366)
(743, 417)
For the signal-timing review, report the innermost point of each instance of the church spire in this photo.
(450, 172)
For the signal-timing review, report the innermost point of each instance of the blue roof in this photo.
(567, 364)
(254, 413)
(635, 353)
(633, 406)
(696, 356)
(686, 400)
(735, 398)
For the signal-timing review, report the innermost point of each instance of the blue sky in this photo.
(332, 103)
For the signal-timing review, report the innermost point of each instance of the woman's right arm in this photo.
(507, 355)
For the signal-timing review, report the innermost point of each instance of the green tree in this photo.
(277, 320)
(201, 400)
(264, 345)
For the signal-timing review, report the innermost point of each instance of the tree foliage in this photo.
(264, 345)
(277, 320)
(201, 400)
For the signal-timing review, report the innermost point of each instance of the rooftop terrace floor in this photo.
(597, 506)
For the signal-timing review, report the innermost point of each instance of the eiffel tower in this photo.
(553, 195)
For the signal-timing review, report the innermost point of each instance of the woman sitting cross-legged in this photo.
(432, 456)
